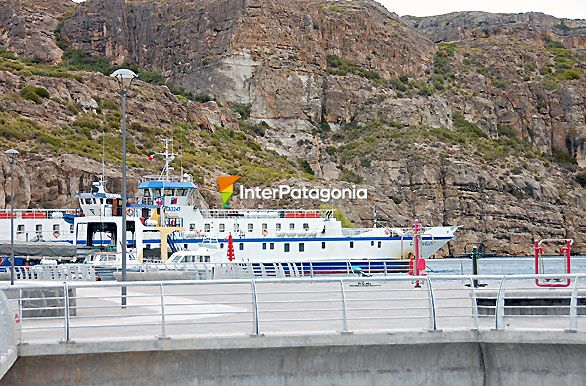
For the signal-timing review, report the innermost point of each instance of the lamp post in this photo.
(124, 78)
(11, 154)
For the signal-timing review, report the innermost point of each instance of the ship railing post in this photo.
(255, 321)
(163, 320)
(499, 311)
(432, 316)
(574, 306)
(474, 303)
(344, 309)
(20, 314)
(67, 336)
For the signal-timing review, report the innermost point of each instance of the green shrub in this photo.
(506, 131)
(34, 93)
(569, 74)
(243, 110)
(467, 128)
(152, 77)
(341, 66)
(331, 150)
(581, 178)
(350, 176)
(516, 170)
(562, 157)
(306, 167)
(365, 162)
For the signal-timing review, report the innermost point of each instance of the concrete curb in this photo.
(289, 341)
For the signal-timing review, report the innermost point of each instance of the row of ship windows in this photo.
(222, 227)
(301, 246)
(39, 228)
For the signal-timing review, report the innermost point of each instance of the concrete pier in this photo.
(407, 358)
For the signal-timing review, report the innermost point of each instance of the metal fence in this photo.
(78, 311)
(58, 272)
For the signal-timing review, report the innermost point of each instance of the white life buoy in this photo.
(130, 212)
(56, 234)
(387, 231)
(265, 232)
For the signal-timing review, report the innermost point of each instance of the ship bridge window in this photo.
(250, 227)
(182, 192)
(55, 227)
(109, 201)
(206, 227)
(264, 245)
(372, 243)
(20, 229)
(278, 226)
(169, 192)
(39, 229)
(292, 226)
(305, 226)
(191, 227)
(264, 227)
(222, 227)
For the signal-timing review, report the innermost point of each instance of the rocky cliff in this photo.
(472, 119)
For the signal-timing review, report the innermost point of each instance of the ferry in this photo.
(163, 219)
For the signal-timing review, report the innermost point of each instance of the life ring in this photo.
(56, 234)
(130, 212)
(265, 232)
(387, 231)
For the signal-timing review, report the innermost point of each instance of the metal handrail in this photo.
(172, 305)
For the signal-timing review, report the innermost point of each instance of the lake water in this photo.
(503, 266)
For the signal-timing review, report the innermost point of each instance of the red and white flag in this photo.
(151, 157)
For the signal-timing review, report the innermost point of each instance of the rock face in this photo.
(26, 27)
(271, 54)
(485, 129)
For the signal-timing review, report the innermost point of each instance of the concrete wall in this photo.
(387, 359)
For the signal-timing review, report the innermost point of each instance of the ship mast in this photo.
(168, 157)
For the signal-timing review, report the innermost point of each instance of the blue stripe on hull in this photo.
(334, 267)
(299, 239)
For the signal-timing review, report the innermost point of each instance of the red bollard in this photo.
(416, 229)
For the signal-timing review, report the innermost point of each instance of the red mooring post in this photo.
(416, 229)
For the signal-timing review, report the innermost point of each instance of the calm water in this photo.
(503, 266)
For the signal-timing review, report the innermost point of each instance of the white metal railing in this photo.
(280, 269)
(218, 308)
(60, 272)
(267, 213)
(38, 213)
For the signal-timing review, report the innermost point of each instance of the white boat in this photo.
(163, 219)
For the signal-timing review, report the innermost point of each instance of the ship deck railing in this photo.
(38, 213)
(163, 178)
(267, 213)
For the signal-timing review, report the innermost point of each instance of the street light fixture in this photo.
(124, 78)
(11, 154)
